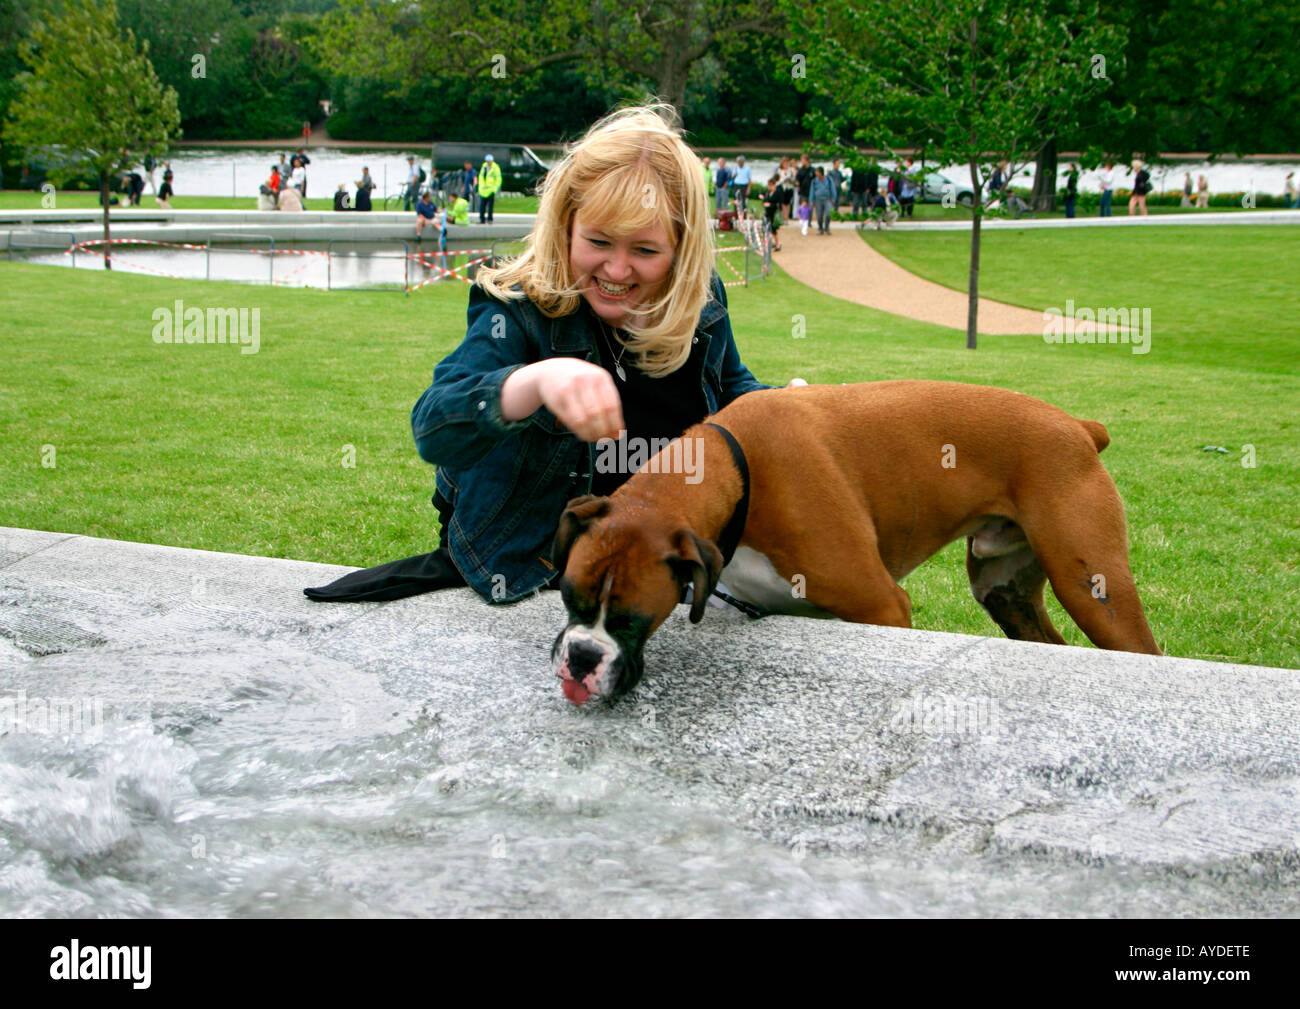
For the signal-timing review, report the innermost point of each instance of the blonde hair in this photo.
(630, 170)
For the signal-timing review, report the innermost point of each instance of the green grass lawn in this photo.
(23, 199)
(200, 446)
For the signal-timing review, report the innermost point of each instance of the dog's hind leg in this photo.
(1009, 585)
(1082, 545)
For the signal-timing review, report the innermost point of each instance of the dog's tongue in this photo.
(575, 691)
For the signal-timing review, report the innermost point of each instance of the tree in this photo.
(92, 90)
(1206, 75)
(655, 41)
(969, 79)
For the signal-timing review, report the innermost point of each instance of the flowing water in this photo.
(287, 786)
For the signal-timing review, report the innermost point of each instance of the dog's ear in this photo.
(579, 513)
(698, 562)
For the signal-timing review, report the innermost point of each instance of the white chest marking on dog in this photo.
(597, 636)
(751, 577)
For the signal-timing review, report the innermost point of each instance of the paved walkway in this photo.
(843, 265)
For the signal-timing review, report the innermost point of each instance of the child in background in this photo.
(165, 191)
(804, 213)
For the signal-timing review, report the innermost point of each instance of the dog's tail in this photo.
(1097, 432)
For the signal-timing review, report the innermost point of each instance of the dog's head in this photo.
(622, 575)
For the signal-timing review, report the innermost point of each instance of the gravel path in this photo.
(843, 265)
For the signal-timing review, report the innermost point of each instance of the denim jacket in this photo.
(510, 480)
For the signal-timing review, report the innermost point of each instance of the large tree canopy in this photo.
(650, 43)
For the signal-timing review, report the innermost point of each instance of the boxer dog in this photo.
(817, 500)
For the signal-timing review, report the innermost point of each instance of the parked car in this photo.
(521, 169)
(937, 186)
(39, 162)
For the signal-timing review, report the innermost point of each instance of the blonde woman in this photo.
(612, 320)
(1202, 193)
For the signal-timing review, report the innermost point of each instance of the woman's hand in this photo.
(582, 396)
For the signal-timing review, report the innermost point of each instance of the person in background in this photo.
(1202, 193)
(303, 161)
(489, 184)
(1071, 189)
(820, 194)
(165, 191)
(803, 177)
(274, 184)
(858, 190)
(412, 187)
(804, 213)
(341, 201)
(740, 188)
(773, 202)
(907, 187)
(425, 213)
(290, 200)
(364, 187)
(441, 222)
(149, 165)
(873, 185)
(1000, 182)
(1289, 190)
(298, 176)
(836, 175)
(469, 185)
(881, 209)
(1187, 190)
(133, 187)
(721, 184)
(705, 164)
(1141, 186)
(1107, 180)
(459, 210)
(787, 184)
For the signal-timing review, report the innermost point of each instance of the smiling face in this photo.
(618, 272)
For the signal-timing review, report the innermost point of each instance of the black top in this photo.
(652, 407)
(803, 179)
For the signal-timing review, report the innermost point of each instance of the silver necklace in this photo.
(617, 355)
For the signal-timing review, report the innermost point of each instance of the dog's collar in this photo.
(730, 537)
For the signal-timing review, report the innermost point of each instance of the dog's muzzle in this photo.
(587, 662)
(592, 663)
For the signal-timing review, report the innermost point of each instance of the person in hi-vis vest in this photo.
(489, 181)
